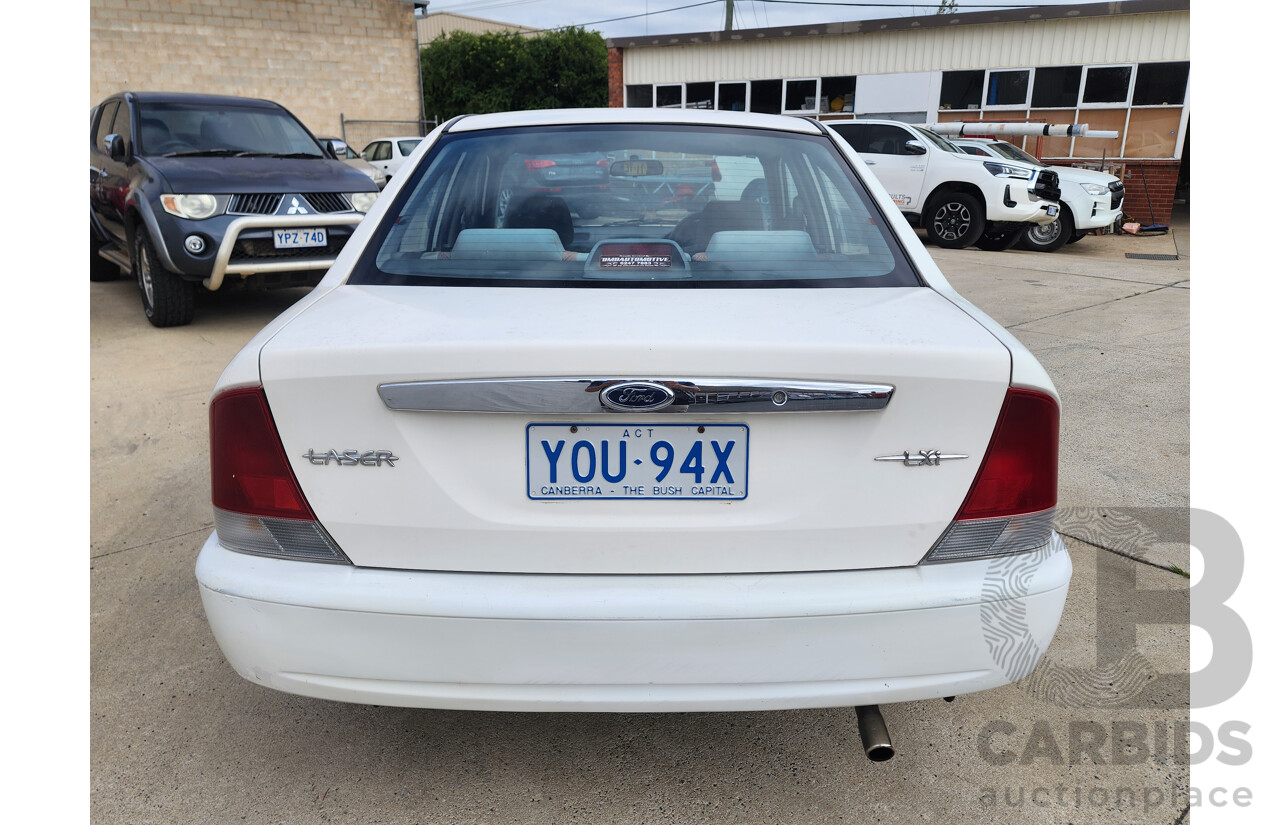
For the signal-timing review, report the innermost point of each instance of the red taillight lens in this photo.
(715, 172)
(250, 472)
(1020, 471)
(538, 164)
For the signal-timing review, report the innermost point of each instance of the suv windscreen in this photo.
(663, 206)
(196, 129)
(941, 142)
(1012, 152)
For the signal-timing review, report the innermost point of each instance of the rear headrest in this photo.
(791, 245)
(507, 245)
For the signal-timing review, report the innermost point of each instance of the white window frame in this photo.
(1186, 93)
(817, 95)
(1115, 104)
(1008, 107)
(626, 95)
(746, 100)
(684, 94)
(657, 86)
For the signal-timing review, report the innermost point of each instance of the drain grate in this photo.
(1144, 256)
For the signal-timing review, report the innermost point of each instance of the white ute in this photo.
(751, 454)
(959, 200)
(1090, 199)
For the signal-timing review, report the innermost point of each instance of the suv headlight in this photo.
(1094, 188)
(362, 201)
(193, 207)
(1001, 170)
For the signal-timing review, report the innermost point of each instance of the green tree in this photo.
(497, 72)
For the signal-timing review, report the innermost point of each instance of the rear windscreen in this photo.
(658, 205)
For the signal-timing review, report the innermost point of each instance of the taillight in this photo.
(715, 172)
(258, 506)
(1020, 471)
(1010, 505)
(538, 164)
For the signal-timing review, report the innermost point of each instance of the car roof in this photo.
(401, 137)
(202, 99)
(572, 117)
(974, 140)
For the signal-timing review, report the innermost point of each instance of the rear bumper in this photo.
(632, 643)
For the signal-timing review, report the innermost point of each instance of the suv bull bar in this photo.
(222, 265)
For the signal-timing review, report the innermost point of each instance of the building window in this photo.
(731, 97)
(766, 96)
(1107, 84)
(800, 95)
(700, 95)
(838, 92)
(1056, 87)
(1161, 84)
(640, 96)
(962, 90)
(670, 96)
(1008, 88)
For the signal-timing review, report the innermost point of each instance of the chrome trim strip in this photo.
(582, 395)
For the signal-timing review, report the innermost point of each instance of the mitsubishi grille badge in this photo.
(924, 458)
(297, 208)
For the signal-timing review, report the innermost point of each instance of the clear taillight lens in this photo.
(1011, 503)
(258, 506)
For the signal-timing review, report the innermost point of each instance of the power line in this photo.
(633, 16)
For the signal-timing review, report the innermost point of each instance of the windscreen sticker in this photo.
(633, 261)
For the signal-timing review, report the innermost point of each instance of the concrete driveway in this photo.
(1097, 734)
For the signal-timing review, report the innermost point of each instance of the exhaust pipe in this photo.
(875, 736)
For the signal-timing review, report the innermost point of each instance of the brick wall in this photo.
(316, 57)
(1142, 179)
(615, 79)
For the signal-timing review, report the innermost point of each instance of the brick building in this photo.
(1117, 66)
(322, 60)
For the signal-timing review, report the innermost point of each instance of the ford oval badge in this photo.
(636, 396)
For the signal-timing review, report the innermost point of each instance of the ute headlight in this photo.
(1094, 188)
(362, 201)
(192, 207)
(1003, 170)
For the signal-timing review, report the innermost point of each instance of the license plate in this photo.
(301, 238)
(636, 461)
(1053, 211)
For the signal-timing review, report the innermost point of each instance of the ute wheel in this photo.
(1049, 237)
(1000, 240)
(954, 221)
(100, 269)
(167, 299)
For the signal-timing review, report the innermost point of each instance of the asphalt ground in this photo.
(1096, 734)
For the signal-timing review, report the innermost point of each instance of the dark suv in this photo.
(186, 190)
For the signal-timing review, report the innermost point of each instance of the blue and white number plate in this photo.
(301, 238)
(1052, 211)
(636, 461)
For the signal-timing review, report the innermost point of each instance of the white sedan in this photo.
(748, 454)
(390, 153)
